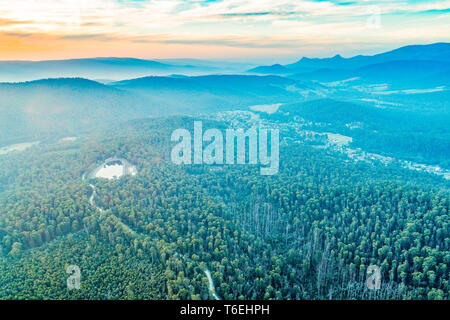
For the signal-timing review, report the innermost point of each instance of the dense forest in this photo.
(309, 232)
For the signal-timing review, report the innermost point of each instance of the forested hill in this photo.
(46, 108)
(59, 107)
(309, 232)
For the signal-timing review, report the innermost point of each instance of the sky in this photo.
(242, 30)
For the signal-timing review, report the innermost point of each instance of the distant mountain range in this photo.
(273, 69)
(111, 68)
(418, 65)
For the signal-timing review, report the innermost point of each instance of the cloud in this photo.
(9, 22)
(247, 24)
(98, 37)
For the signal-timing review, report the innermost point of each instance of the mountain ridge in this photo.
(340, 68)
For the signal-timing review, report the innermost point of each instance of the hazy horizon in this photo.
(248, 61)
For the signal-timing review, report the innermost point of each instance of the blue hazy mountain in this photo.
(418, 65)
(93, 68)
(273, 69)
(434, 52)
(259, 85)
(213, 66)
(405, 73)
